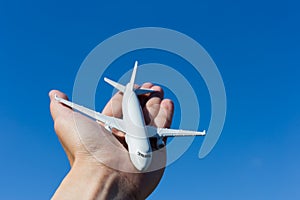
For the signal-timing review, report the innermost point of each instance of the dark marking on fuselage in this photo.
(143, 155)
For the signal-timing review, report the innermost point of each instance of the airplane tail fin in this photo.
(138, 91)
(115, 84)
(131, 83)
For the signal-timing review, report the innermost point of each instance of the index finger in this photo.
(114, 106)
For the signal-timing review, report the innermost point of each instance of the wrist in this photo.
(92, 180)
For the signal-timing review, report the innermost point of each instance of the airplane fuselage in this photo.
(139, 148)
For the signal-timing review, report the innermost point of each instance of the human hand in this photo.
(96, 155)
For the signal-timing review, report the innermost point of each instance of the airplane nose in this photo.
(141, 161)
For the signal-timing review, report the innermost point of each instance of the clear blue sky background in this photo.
(255, 45)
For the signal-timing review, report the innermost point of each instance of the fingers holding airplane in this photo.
(150, 103)
(114, 107)
(165, 114)
(152, 106)
(145, 97)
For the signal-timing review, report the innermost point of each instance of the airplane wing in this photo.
(166, 132)
(110, 122)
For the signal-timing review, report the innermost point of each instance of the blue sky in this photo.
(254, 44)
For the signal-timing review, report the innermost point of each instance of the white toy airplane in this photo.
(137, 134)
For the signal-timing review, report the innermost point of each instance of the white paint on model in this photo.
(133, 124)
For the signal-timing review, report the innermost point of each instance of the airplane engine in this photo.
(160, 143)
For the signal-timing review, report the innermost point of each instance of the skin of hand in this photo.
(95, 154)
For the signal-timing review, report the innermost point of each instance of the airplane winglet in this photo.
(61, 100)
(56, 97)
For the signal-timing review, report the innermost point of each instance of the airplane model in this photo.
(137, 134)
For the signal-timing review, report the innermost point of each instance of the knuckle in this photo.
(147, 85)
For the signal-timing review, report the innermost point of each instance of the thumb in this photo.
(61, 114)
(56, 108)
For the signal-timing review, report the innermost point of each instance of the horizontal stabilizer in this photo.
(143, 91)
(115, 84)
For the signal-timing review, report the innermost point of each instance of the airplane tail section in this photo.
(122, 88)
(138, 91)
(132, 80)
(115, 84)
